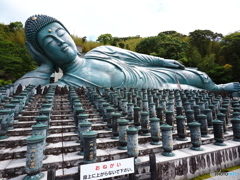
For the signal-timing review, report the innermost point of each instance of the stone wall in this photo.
(196, 165)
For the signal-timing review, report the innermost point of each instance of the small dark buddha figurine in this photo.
(52, 47)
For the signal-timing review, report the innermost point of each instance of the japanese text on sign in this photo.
(107, 169)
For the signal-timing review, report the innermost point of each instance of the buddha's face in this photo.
(57, 44)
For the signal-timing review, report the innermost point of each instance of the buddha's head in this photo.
(50, 38)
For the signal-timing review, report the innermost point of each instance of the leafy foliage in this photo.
(201, 39)
(230, 51)
(105, 39)
(86, 45)
(14, 57)
(129, 43)
(122, 42)
(148, 45)
(167, 45)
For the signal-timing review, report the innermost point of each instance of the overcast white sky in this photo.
(123, 18)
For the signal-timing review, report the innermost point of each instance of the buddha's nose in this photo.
(59, 41)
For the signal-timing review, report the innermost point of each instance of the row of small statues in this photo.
(166, 129)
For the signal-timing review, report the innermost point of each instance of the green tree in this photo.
(105, 39)
(84, 39)
(15, 59)
(148, 45)
(221, 74)
(15, 26)
(230, 52)
(115, 41)
(172, 34)
(128, 43)
(193, 57)
(171, 47)
(201, 40)
(167, 45)
(121, 45)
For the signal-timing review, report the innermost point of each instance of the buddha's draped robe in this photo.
(143, 71)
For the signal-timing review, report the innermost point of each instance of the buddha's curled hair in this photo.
(34, 24)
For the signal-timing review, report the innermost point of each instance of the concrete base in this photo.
(63, 150)
(187, 164)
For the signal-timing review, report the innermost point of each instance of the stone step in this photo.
(14, 141)
(17, 136)
(63, 122)
(15, 167)
(62, 111)
(32, 107)
(52, 129)
(59, 129)
(53, 117)
(55, 107)
(28, 121)
(90, 116)
(60, 117)
(87, 105)
(97, 123)
(23, 128)
(36, 113)
(37, 101)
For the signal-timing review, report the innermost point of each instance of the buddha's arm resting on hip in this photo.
(132, 58)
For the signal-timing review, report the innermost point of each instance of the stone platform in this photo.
(62, 149)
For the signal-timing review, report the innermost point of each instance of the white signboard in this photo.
(107, 169)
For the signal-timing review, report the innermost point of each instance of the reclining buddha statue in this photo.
(52, 47)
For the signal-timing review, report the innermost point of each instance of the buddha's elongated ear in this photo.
(38, 57)
(33, 52)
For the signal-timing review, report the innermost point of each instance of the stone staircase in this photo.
(62, 149)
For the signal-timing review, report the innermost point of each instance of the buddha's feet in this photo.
(231, 87)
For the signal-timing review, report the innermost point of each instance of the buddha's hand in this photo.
(172, 64)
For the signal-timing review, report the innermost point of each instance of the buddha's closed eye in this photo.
(47, 40)
(60, 32)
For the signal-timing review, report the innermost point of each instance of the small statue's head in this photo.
(50, 38)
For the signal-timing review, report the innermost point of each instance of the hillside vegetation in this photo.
(211, 52)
